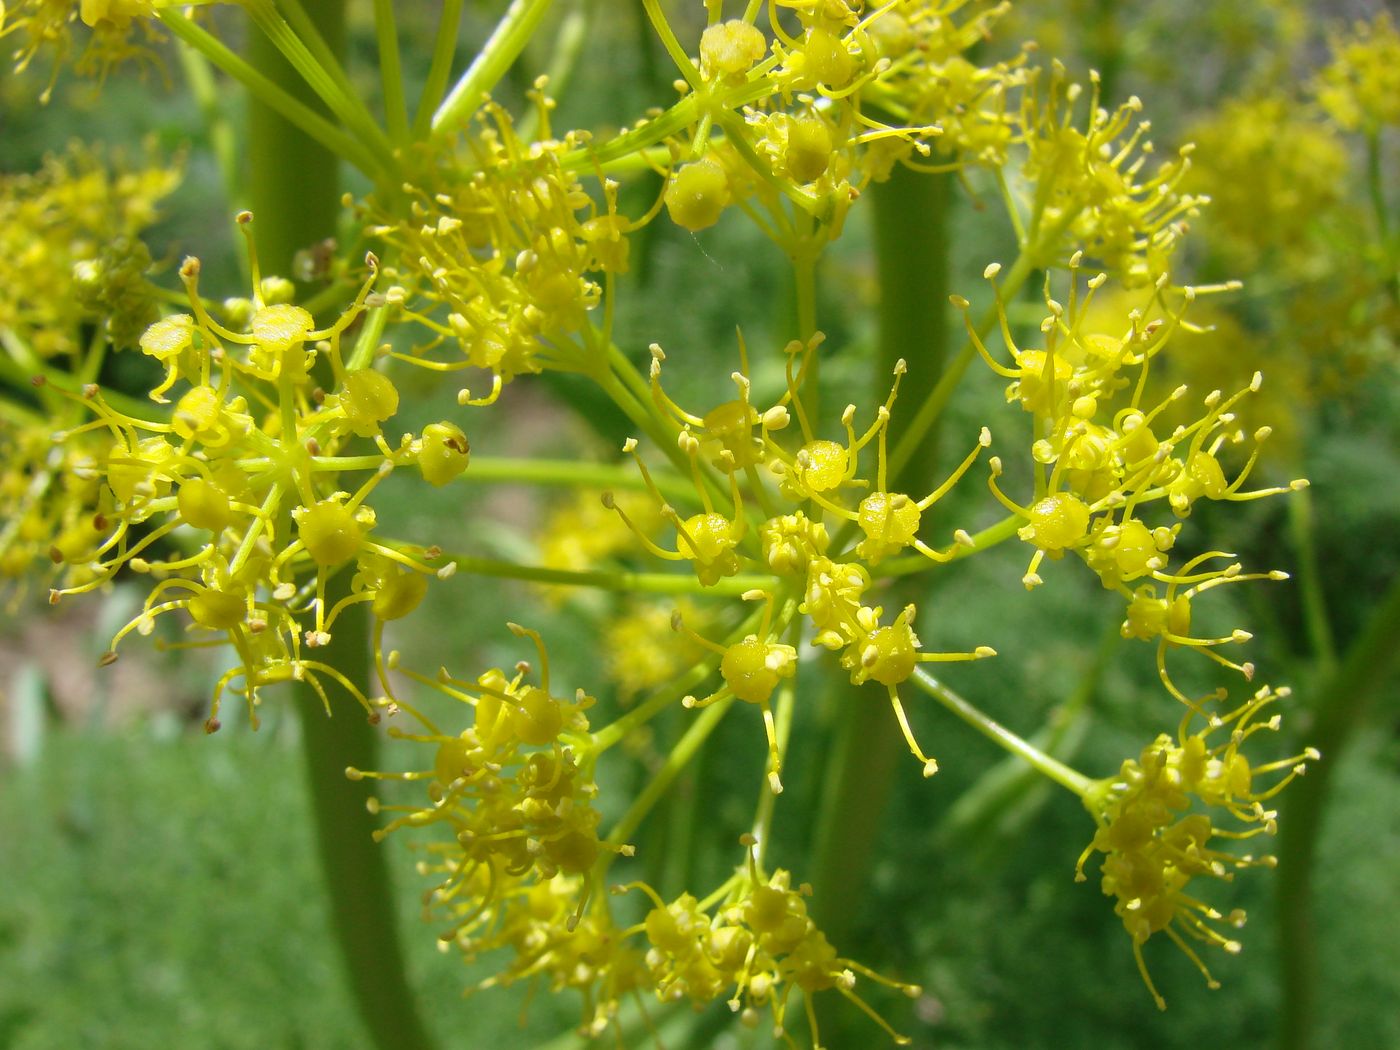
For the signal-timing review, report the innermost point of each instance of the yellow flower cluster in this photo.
(1101, 460)
(1272, 170)
(804, 116)
(753, 942)
(1093, 188)
(47, 26)
(247, 483)
(50, 494)
(515, 788)
(504, 241)
(1361, 88)
(1154, 842)
(797, 489)
(70, 249)
(72, 281)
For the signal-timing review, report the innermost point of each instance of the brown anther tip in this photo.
(107, 659)
(212, 725)
(91, 390)
(55, 555)
(38, 381)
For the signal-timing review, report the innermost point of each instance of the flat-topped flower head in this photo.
(1155, 843)
(514, 789)
(753, 941)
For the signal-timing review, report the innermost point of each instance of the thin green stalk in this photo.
(294, 192)
(986, 538)
(1343, 701)
(615, 732)
(1319, 626)
(569, 40)
(1002, 801)
(673, 121)
(686, 749)
(329, 82)
(783, 711)
(214, 120)
(673, 46)
(610, 580)
(274, 96)
(21, 376)
(440, 69)
(578, 474)
(391, 71)
(496, 56)
(644, 712)
(1067, 778)
(1375, 184)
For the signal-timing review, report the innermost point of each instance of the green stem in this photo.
(15, 373)
(1067, 778)
(308, 53)
(1003, 799)
(273, 95)
(512, 33)
(673, 46)
(616, 732)
(646, 711)
(222, 141)
(1319, 627)
(610, 579)
(440, 69)
(909, 215)
(783, 711)
(293, 189)
(1344, 697)
(1375, 184)
(391, 71)
(577, 474)
(356, 870)
(686, 748)
(988, 537)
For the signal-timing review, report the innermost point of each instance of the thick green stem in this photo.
(1375, 185)
(358, 882)
(295, 197)
(1319, 626)
(1344, 697)
(910, 214)
(512, 33)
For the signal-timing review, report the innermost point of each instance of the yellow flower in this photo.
(1156, 838)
